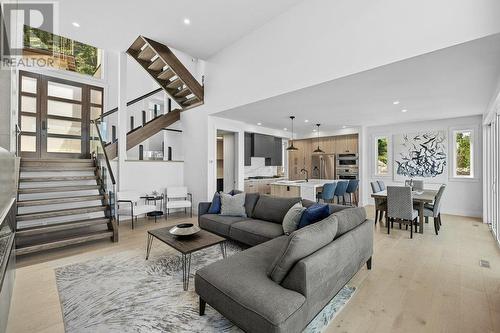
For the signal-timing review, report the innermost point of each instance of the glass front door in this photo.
(54, 116)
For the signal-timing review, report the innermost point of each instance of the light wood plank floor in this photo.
(426, 284)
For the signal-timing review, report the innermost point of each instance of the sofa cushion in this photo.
(215, 205)
(250, 201)
(218, 224)
(313, 214)
(240, 290)
(233, 205)
(333, 207)
(253, 232)
(273, 209)
(302, 243)
(349, 219)
(292, 218)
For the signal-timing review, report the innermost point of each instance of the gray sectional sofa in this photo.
(282, 282)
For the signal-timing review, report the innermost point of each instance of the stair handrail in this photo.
(132, 102)
(101, 144)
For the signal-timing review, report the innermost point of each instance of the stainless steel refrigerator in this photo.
(323, 166)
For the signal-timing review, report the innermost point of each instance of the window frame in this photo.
(473, 143)
(375, 155)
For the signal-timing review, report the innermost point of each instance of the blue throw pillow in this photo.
(215, 205)
(313, 214)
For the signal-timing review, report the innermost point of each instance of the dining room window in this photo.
(382, 155)
(463, 153)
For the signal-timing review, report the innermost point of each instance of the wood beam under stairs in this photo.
(141, 134)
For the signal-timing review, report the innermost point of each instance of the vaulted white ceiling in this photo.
(453, 82)
(215, 24)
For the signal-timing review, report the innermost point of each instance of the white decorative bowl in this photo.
(185, 229)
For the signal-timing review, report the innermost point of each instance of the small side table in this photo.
(155, 214)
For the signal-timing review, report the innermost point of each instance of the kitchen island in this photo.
(299, 188)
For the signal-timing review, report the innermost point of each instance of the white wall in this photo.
(146, 176)
(321, 40)
(462, 196)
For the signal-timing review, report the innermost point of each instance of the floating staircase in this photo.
(138, 135)
(173, 77)
(61, 202)
(166, 69)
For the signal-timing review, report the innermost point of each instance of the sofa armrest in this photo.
(203, 208)
(331, 267)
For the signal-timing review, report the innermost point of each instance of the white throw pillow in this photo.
(292, 218)
(233, 205)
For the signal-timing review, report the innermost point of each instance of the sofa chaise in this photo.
(283, 281)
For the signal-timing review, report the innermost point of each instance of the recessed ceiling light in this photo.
(404, 110)
(344, 126)
(285, 129)
(314, 130)
(395, 102)
(76, 24)
(259, 124)
(306, 121)
(187, 21)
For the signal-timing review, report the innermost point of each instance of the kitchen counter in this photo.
(301, 188)
(260, 185)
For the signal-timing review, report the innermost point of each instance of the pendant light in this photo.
(292, 147)
(318, 150)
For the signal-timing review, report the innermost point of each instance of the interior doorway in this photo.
(54, 116)
(226, 160)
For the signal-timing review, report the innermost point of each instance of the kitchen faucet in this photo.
(307, 174)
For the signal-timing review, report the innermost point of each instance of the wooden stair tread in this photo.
(64, 242)
(146, 54)
(183, 92)
(58, 189)
(138, 44)
(157, 65)
(50, 169)
(166, 74)
(190, 101)
(175, 84)
(40, 229)
(52, 201)
(56, 179)
(60, 212)
(58, 160)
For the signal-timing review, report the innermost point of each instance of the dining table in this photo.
(420, 198)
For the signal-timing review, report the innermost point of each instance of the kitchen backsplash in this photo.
(258, 168)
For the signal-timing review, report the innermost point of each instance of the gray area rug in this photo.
(126, 293)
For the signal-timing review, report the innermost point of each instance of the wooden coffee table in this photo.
(186, 245)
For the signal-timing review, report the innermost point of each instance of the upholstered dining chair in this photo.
(381, 184)
(434, 210)
(418, 185)
(380, 204)
(328, 192)
(352, 188)
(340, 191)
(400, 207)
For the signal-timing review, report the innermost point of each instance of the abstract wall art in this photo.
(421, 155)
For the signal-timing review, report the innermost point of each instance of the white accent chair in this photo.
(129, 204)
(178, 198)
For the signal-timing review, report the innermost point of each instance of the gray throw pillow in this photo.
(273, 209)
(292, 218)
(233, 205)
(302, 243)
